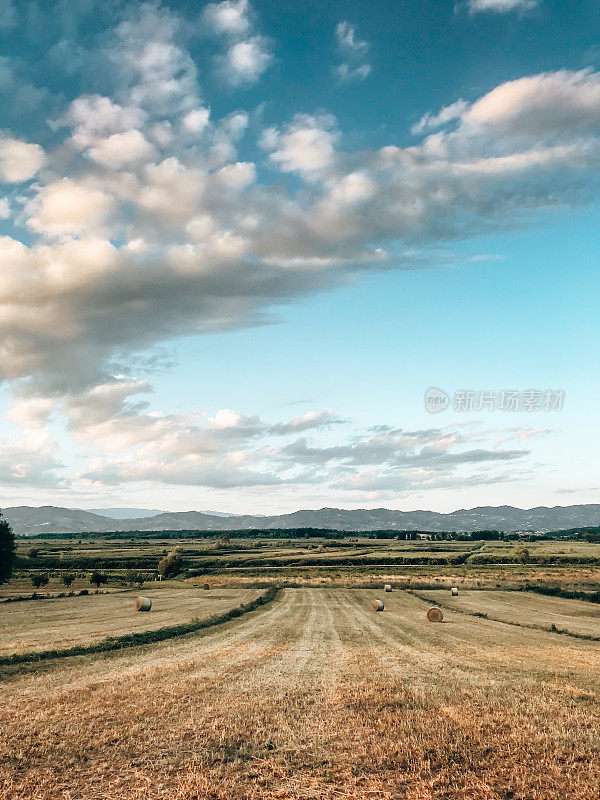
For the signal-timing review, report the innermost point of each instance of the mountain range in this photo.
(28, 520)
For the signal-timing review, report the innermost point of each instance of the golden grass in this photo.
(314, 697)
(526, 608)
(65, 622)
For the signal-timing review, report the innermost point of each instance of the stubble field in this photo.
(313, 696)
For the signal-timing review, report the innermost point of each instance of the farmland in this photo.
(315, 696)
(65, 622)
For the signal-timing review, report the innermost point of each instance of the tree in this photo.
(33, 552)
(68, 578)
(7, 550)
(98, 578)
(135, 576)
(39, 580)
(170, 565)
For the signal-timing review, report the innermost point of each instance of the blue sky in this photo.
(240, 241)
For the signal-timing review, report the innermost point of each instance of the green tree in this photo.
(33, 552)
(170, 565)
(7, 550)
(68, 578)
(98, 578)
(39, 580)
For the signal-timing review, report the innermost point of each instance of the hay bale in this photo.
(206, 587)
(454, 591)
(143, 604)
(388, 587)
(435, 614)
(377, 605)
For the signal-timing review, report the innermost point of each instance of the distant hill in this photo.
(27, 520)
(124, 513)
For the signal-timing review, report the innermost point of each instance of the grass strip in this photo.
(142, 637)
(588, 637)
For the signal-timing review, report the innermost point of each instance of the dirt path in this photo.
(314, 696)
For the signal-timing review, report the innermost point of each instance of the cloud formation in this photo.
(501, 6)
(143, 222)
(353, 52)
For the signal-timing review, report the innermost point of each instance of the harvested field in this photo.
(525, 608)
(65, 622)
(313, 696)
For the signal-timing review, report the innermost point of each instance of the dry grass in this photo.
(313, 697)
(525, 608)
(61, 623)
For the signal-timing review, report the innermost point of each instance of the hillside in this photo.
(28, 521)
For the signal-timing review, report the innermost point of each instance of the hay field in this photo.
(525, 608)
(37, 625)
(314, 696)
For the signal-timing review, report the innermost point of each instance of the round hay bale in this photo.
(143, 604)
(435, 614)
(206, 587)
(388, 587)
(377, 605)
(454, 591)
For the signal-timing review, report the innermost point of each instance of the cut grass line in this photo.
(547, 628)
(142, 637)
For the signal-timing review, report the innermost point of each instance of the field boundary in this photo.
(547, 628)
(143, 637)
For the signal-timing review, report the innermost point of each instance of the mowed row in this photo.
(313, 696)
(60, 623)
(524, 608)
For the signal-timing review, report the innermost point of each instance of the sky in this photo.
(256, 257)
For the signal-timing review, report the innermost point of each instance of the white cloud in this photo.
(197, 242)
(246, 61)
(4, 209)
(230, 17)
(120, 149)
(353, 52)
(502, 6)
(248, 55)
(67, 207)
(19, 161)
(430, 122)
(197, 120)
(306, 145)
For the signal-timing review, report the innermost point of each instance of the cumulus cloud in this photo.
(230, 17)
(353, 51)
(19, 161)
(245, 62)
(68, 206)
(306, 145)
(248, 54)
(144, 225)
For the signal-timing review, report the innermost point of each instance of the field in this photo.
(315, 696)
(65, 622)
(572, 616)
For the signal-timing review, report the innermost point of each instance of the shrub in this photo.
(33, 552)
(98, 578)
(68, 578)
(170, 565)
(39, 580)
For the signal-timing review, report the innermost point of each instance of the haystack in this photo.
(388, 587)
(377, 605)
(206, 587)
(454, 591)
(143, 604)
(435, 614)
